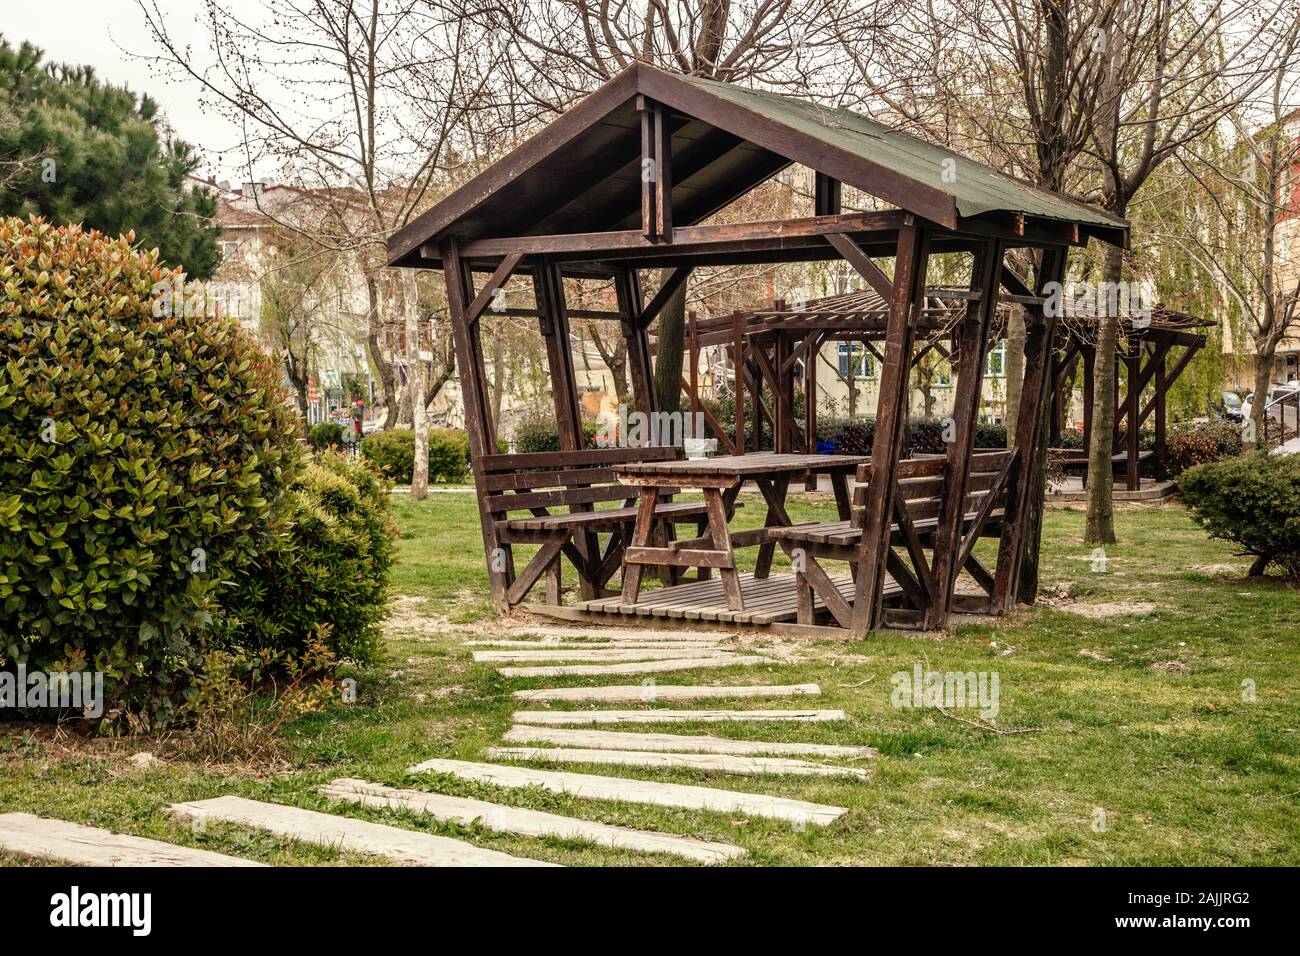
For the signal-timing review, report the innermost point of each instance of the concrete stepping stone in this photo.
(639, 667)
(674, 743)
(595, 645)
(556, 717)
(602, 656)
(592, 787)
(655, 692)
(619, 634)
(346, 833)
(723, 763)
(533, 823)
(75, 843)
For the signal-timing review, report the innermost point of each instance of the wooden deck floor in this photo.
(767, 601)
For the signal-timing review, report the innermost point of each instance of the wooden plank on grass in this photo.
(558, 717)
(27, 835)
(621, 634)
(592, 787)
(647, 693)
(722, 763)
(532, 823)
(674, 743)
(346, 833)
(619, 654)
(642, 667)
(546, 645)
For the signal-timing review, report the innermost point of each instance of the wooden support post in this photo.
(1089, 366)
(469, 363)
(971, 336)
(1132, 360)
(810, 403)
(1040, 334)
(693, 353)
(554, 321)
(656, 171)
(1162, 424)
(891, 421)
(627, 289)
(826, 195)
(737, 365)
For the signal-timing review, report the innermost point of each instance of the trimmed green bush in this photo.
(1201, 443)
(323, 567)
(325, 435)
(539, 431)
(393, 454)
(140, 453)
(1252, 501)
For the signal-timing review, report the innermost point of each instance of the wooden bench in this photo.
(918, 505)
(577, 481)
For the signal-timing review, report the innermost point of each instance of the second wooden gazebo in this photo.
(778, 346)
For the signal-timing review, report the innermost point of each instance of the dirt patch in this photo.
(1094, 655)
(1107, 609)
(1170, 667)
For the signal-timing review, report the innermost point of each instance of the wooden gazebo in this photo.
(778, 346)
(630, 179)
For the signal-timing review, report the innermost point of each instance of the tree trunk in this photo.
(1100, 525)
(668, 354)
(1014, 369)
(415, 376)
(387, 374)
(1265, 353)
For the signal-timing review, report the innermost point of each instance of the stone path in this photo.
(645, 667)
(402, 846)
(33, 836)
(674, 743)
(650, 692)
(668, 716)
(591, 787)
(515, 656)
(723, 763)
(534, 823)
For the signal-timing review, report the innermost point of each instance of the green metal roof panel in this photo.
(975, 188)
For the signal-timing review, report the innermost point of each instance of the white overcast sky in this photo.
(102, 34)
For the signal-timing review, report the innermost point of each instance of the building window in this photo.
(228, 249)
(995, 366)
(864, 363)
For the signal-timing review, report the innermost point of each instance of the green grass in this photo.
(1138, 720)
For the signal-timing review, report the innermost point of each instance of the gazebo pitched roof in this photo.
(582, 173)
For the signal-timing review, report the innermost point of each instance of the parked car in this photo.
(1229, 407)
(1277, 409)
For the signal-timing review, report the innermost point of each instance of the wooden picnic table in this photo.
(720, 480)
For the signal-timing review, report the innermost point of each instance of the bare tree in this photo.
(1172, 71)
(369, 103)
(1252, 188)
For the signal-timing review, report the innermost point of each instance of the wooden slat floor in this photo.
(767, 600)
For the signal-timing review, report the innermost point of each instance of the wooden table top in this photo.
(758, 463)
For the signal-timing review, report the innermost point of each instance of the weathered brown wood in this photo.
(469, 363)
(640, 538)
(765, 236)
(1133, 476)
(547, 555)
(722, 542)
(1162, 388)
(627, 289)
(1040, 333)
(986, 266)
(891, 418)
(531, 461)
(497, 280)
(826, 195)
(862, 264)
(674, 282)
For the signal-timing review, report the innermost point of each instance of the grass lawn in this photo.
(1144, 749)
